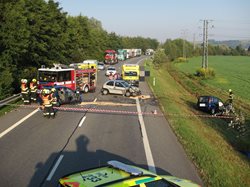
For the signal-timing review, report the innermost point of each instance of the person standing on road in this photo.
(53, 97)
(111, 77)
(47, 105)
(25, 91)
(116, 76)
(33, 90)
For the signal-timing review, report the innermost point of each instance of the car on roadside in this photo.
(101, 66)
(210, 104)
(117, 174)
(111, 70)
(119, 87)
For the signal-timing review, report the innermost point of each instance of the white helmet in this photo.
(24, 81)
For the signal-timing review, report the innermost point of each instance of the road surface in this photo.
(36, 151)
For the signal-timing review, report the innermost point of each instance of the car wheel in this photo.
(127, 94)
(86, 89)
(212, 111)
(105, 92)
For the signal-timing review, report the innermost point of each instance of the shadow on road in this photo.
(74, 161)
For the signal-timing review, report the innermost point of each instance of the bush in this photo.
(159, 58)
(205, 73)
(181, 59)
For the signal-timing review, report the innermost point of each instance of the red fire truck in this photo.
(82, 78)
(110, 57)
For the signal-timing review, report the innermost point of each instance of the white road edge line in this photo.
(54, 168)
(140, 61)
(17, 123)
(148, 152)
(81, 122)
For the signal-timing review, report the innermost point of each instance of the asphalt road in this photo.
(37, 151)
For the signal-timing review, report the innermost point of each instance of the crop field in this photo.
(231, 72)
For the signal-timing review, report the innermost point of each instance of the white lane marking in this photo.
(17, 123)
(140, 61)
(148, 152)
(54, 168)
(81, 122)
(95, 100)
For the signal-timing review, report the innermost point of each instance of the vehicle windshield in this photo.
(48, 76)
(203, 99)
(130, 73)
(111, 68)
(109, 54)
(125, 84)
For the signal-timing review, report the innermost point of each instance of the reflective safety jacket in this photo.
(46, 100)
(33, 87)
(24, 88)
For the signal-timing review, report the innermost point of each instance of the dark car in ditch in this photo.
(210, 104)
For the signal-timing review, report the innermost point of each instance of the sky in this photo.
(167, 19)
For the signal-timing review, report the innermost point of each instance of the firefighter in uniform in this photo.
(25, 91)
(33, 90)
(231, 95)
(53, 97)
(47, 105)
(230, 101)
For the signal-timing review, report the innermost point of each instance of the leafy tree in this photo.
(240, 50)
(159, 57)
(47, 26)
(77, 39)
(14, 43)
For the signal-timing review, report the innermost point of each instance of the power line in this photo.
(205, 44)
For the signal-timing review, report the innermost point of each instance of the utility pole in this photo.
(184, 44)
(194, 42)
(205, 44)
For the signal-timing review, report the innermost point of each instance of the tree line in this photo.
(176, 48)
(39, 32)
(171, 50)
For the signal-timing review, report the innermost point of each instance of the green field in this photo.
(231, 72)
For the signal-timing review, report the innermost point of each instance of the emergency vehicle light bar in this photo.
(119, 165)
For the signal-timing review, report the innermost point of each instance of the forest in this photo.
(39, 32)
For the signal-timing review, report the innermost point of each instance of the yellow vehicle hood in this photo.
(93, 177)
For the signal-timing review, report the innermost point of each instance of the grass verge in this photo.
(218, 162)
(7, 108)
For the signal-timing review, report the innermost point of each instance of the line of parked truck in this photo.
(112, 56)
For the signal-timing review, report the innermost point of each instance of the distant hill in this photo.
(231, 43)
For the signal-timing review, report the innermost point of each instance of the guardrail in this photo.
(9, 99)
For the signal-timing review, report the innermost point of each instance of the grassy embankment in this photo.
(231, 72)
(219, 164)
